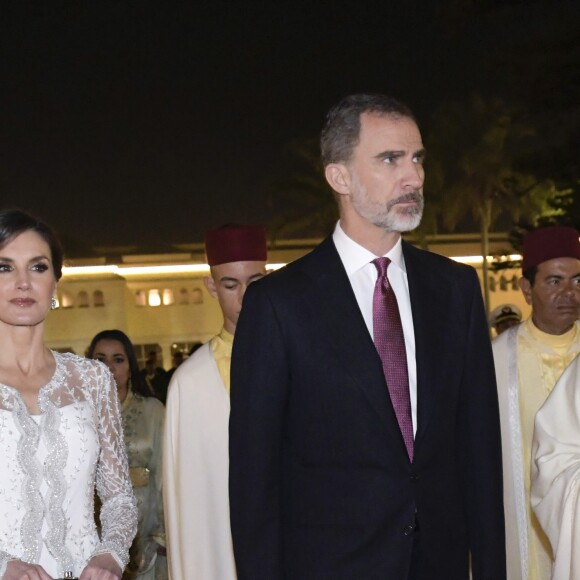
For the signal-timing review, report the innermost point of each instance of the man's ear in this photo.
(209, 283)
(338, 177)
(526, 289)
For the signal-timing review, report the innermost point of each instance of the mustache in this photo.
(413, 196)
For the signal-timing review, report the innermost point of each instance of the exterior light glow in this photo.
(128, 271)
(479, 259)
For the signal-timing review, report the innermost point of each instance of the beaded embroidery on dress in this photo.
(50, 464)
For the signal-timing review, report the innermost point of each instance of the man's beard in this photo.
(390, 217)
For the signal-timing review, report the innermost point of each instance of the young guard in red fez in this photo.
(529, 360)
(196, 427)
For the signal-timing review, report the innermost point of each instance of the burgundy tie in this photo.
(390, 344)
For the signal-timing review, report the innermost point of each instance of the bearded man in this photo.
(364, 432)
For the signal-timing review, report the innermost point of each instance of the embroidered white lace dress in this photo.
(49, 464)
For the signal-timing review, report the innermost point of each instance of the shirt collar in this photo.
(355, 257)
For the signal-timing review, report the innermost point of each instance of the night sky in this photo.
(148, 122)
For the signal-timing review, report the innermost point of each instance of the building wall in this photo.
(194, 316)
(73, 327)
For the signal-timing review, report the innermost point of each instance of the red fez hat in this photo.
(235, 243)
(549, 243)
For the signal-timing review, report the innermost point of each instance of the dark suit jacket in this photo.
(320, 482)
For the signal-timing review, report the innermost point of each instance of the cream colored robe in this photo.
(195, 472)
(556, 472)
(508, 363)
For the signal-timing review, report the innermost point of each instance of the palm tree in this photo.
(473, 170)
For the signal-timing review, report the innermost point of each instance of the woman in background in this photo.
(143, 417)
(60, 430)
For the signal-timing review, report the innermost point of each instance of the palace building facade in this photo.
(160, 300)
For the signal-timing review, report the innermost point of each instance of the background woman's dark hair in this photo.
(14, 222)
(137, 383)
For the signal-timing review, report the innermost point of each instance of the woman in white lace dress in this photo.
(60, 430)
(143, 417)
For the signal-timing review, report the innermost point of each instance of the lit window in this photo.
(168, 297)
(154, 298)
(66, 300)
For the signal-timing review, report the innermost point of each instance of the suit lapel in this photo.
(346, 331)
(425, 294)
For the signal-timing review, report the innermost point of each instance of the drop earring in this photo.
(53, 304)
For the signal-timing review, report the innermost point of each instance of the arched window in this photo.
(98, 298)
(197, 296)
(66, 300)
(140, 298)
(183, 296)
(154, 298)
(167, 297)
(83, 299)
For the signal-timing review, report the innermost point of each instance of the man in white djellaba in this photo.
(195, 454)
(556, 471)
(529, 360)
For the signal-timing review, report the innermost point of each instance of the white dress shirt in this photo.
(363, 274)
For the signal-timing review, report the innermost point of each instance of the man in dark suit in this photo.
(364, 430)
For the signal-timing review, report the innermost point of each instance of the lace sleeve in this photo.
(4, 559)
(118, 511)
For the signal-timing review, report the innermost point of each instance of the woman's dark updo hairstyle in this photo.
(137, 382)
(14, 222)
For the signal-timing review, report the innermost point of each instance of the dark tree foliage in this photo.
(303, 203)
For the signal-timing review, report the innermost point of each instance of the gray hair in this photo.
(341, 131)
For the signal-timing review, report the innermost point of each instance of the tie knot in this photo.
(381, 264)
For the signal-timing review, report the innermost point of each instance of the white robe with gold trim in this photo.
(556, 472)
(195, 472)
(516, 502)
